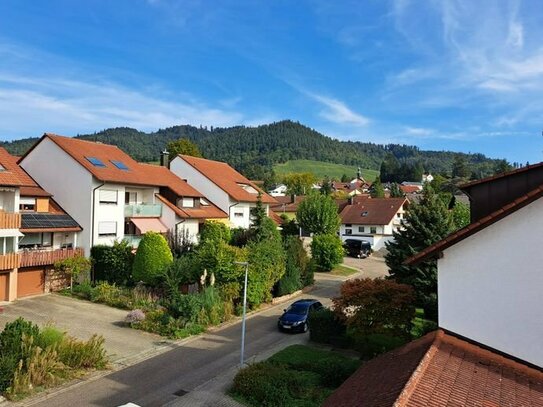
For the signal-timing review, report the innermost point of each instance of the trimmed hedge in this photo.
(113, 263)
(153, 257)
(327, 251)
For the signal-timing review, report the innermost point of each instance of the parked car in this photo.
(294, 318)
(357, 248)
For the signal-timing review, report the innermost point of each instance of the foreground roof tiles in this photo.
(228, 179)
(441, 370)
(371, 211)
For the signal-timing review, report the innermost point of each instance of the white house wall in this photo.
(201, 183)
(490, 285)
(67, 180)
(108, 212)
(172, 221)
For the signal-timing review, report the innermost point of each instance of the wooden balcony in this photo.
(47, 257)
(10, 261)
(10, 220)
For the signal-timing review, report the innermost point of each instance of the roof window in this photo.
(248, 188)
(95, 161)
(365, 213)
(120, 165)
(2, 168)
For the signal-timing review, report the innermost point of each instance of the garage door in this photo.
(30, 281)
(4, 287)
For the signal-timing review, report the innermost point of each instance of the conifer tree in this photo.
(377, 190)
(425, 223)
(395, 191)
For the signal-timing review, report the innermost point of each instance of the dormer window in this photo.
(96, 162)
(187, 203)
(248, 188)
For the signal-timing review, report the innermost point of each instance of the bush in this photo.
(240, 237)
(153, 257)
(296, 265)
(83, 290)
(327, 251)
(184, 270)
(370, 346)
(49, 336)
(111, 295)
(325, 327)
(134, 316)
(83, 354)
(218, 258)
(266, 266)
(113, 263)
(215, 232)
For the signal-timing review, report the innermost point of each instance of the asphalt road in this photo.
(156, 381)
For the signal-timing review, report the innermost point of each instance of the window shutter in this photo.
(108, 196)
(107, 228)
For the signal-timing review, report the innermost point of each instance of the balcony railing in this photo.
(133, 240)
(143, 210)
(47, 257)
(10, 261)
(10, 220)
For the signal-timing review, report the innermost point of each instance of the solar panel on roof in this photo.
(120, 165)
(95, 161)
(46, 221)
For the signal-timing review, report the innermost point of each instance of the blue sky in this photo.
(460, 75)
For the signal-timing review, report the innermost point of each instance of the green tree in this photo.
(326, 187)
(395, 191)
(182, 146)
(74, 267)
(460, 167)
(376, 189)
(299, 183)
(153, 257)
(460, 215)
(318, 214)
(266, 266)
(425, 223)
(389, 169)
(345, 178)
(502, 166)
(327, 251)
(213, 231)
(258, 214)
(296, 265)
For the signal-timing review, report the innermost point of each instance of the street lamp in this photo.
(246, 264)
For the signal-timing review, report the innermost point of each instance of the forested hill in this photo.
(253, 149)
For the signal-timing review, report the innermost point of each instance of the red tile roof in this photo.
(285, 203)
(410, 189)
(227, 178)
(34, 191)
(372, 211)
(440, 370)
(203, 212)
(475, 227)
(275, 217)
(12, 174)
(137, 173)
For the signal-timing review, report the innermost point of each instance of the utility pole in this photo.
(246, 264)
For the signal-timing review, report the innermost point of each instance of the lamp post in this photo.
(246, 264)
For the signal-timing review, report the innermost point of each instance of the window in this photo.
(2, 168)
(204, 202)
(47, 239)
(96, 162)
(373, 230)
(361, 229)
(31, 240)
(248, 188)
(348, 225)
(108, 196)
(238, 214)
(398, 215)
(107, 228)
(364, 213)
(187, 203)
(120, 165)
(130, 198)
(348, 231)
(27, 204)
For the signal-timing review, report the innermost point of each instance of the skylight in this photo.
(95, 161)
(364, 213)
(248, 188)
(2, 168)
(120, 165)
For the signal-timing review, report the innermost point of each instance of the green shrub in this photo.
(325, 327)
(83, 290)
(327, 251)
(83, 354)
(11, 337)
(296, 265)
(370, 346)
(240, 237)
(215, 232)
(153, 257)
(266, 266)
(113, 263)
(49, 336)
(8, 365)
(111, 295)
(218, 258)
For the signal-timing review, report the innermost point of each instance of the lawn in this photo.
(344, 271)
(296, 376)
(322, 169)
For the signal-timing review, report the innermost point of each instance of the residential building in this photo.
(279, 190)
(355, 187)
(372, 219)
(35, 233)
(112, 196)
(494, 265)
(287, 205)
(224, 186)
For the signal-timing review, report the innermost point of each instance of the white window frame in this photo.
(187, 202)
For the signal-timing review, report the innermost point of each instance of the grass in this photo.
(321, 169)
(344, 271)
(296, 376)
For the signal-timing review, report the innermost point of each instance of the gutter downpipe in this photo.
(229, 208)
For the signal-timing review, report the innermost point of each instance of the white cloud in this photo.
(338, 112)
(419, 131)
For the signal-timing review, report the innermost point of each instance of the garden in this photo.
(176, 289)
(33, 358)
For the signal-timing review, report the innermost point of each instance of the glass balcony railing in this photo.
(133, 240)
(143, 210)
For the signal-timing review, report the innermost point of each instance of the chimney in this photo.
(164, 159)
(293, 198)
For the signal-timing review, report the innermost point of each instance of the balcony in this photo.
(10, 220)
(133, 240)
(143, 211)
(10, 261)
(47, 257)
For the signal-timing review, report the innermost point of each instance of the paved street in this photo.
(195, 368)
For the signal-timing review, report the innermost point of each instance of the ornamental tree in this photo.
(318, 214)
(153, 257)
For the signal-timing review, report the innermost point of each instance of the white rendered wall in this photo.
(170, 220)
(67, 180)
(490, 285)
(109, 212)
(201, 183)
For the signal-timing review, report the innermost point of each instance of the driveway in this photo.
(82, 319)
(372, 267)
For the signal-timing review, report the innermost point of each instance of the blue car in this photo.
(294, 319)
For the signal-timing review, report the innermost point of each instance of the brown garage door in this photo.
(4, 287)
(30, 281)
